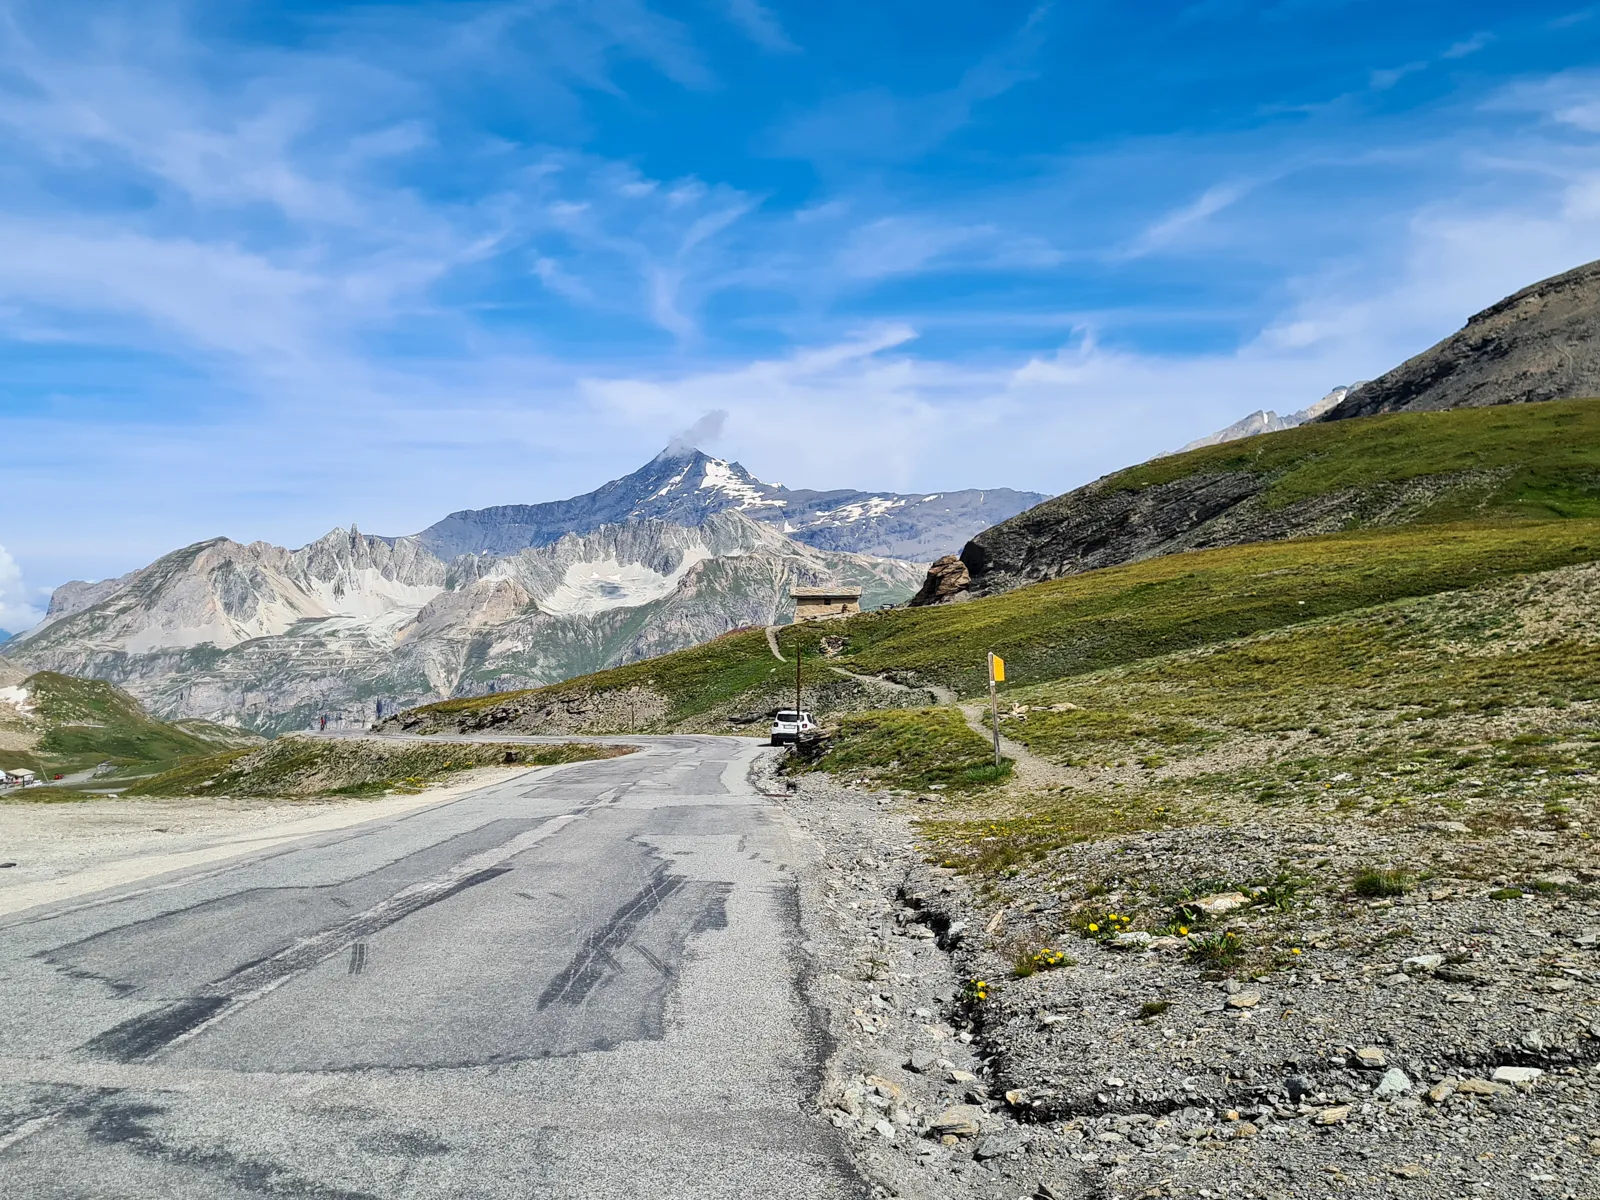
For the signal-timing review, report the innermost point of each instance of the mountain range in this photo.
(685, 487)
(680, 551)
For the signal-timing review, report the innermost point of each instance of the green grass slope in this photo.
(74, 724)
(1046, 631)
(1480, 707)
(1535, 461)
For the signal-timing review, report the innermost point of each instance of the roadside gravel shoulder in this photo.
(1440, 1044)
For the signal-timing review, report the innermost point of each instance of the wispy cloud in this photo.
(880, 125)
(761, 25)
(1172, 227)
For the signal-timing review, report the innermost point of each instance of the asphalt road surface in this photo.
(581, 981)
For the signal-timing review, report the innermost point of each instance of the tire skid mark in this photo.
(583, 974)
(141, 1037)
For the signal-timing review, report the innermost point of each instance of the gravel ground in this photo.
(1444, 1042)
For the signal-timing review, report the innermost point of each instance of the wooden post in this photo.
(994, 711)
(797, 681)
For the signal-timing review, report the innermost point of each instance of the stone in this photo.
(1219, 903)
(884, 1088)
(995, 1145)
(1245, 1129)
(1336, 1115)
(1533, 1040)
(1409, 1171)
(884, 1130)
(923, 1061)
(1589, 939)
(959, 1120)
(1133, 939)
(1515, 1075)
(1243, 1000)
(1018, 1097)
(956, 1075)
(1168, 945)
(1421, 964)
(1441, 1091)
(1371, 1058)
(1395, 1082)
(1481, 1087)
(1298, 1088)
(947, 578)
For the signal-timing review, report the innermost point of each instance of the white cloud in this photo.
(16, 612)
(1175, 225)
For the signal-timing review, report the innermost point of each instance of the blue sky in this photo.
(268, 268)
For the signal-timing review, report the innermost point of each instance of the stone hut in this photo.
(811, 603)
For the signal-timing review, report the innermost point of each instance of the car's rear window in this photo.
(785, 716)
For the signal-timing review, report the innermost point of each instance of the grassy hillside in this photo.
(66, 725)
(1046, 631)
(1479, 706)
(919, 749)
(302, 767)
(1530, 461)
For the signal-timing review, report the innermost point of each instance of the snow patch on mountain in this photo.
(591, 587)
(738, 486)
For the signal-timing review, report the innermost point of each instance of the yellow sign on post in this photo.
(997, 674)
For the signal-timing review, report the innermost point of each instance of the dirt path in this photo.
(1030, 770)
(772, 641)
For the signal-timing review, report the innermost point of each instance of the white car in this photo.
(790, 726)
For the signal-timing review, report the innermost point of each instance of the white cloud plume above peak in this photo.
(17, 612)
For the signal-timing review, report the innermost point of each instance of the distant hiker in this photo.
(324, 722)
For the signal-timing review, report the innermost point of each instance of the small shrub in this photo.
(1507, 893)
(1154, 1008)
(1373, 884)
(1223, 951)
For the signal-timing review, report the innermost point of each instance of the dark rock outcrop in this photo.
(947, 579)
(1543, 343)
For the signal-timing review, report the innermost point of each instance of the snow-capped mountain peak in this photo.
(685, 485)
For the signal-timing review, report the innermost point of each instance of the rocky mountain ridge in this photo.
(1268, 421)
(276, 637)
(1542, 343)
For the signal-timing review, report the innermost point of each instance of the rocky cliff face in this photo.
(275, 637)
(687, 486)
(1543, 343)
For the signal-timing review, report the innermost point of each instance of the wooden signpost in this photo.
(997, 674)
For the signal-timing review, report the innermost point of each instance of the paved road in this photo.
(582, 981)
